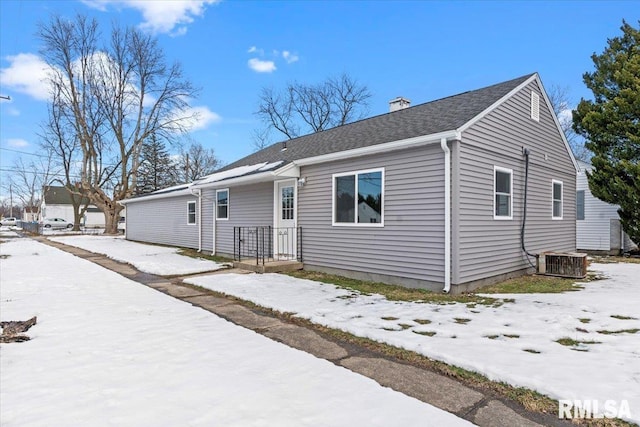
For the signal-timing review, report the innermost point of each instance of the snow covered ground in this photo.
(109, 351)
(152, 259)
(514, 343)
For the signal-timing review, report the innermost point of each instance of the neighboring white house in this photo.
(597, 223)
(30, 214)
(57, 204)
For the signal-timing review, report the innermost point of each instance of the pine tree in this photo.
(611, 125)
(156, 171)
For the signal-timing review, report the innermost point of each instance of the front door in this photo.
(285, 224)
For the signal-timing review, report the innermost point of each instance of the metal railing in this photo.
(266, 244)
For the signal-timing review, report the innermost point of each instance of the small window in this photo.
(580, 205)
(191, 212)
(557, 199)
(503, 190)
(535, 106)
(222, 204)
(287, 202)
(358, 198)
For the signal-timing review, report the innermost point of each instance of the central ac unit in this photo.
(573, 265)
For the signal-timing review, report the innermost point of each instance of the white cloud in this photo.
(252, 49)
(260, 66)
(565, 116)
(27, 73)
(160, 16)
(289, 57)
(203, 117)
(17, 143)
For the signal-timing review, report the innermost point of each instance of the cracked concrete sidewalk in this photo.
(477, 406)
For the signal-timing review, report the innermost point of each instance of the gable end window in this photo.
(222, 204)
(557, 199)
(502, 193)
(358, 198)
(191, 213)
(580, 205)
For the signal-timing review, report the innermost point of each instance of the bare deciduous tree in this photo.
(114, 96)
(561, 103)
(302, 108)
(196, 162)
(59, 138)
(28, 179)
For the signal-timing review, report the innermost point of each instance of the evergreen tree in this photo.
(156, 171)
(611, 125)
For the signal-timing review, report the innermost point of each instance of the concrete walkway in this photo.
(478, 406)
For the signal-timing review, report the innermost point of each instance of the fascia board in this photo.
(247, 179)
(185, 192)
(380, 148)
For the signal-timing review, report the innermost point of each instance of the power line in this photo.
(23, 152)
(38, 173)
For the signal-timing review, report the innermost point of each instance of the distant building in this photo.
(598, 226)
(57, 203)
(31, 213)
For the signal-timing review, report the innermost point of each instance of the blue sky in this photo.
(231, 49)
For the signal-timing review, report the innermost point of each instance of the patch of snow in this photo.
(238, 171)
(494, 341)
(109, 351)
(160, 260)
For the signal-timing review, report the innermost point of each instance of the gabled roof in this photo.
(440, 118)
(430, 118)
(56, 195)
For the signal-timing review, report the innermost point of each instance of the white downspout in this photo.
(199, 194)
(447, 215)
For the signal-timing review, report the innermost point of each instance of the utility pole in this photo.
(11, 200)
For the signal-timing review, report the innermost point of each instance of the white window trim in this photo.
(553, 183)
(333, 200)
(228, 204)
(510, 172)
(195, 211)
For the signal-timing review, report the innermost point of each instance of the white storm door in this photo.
(284, 235)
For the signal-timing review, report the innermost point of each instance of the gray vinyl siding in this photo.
(163, 221)
(249, 205)
(594, 232)
(411, 243)
(488, 247)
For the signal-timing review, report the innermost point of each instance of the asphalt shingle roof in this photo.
(425, 119)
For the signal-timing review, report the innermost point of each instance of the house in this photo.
(56, 203)
(444, 186)
(598, 228)
(30, 213)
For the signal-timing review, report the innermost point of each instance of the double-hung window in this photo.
(222, 204)
(358, 198)
(557, 199)
(502, 193)
(191, 213)
(580, 205)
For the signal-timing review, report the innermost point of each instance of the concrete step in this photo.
(269, 267)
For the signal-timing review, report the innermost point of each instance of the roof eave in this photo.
(380, 148)
(184, 192)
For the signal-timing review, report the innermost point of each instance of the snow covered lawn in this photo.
(152, 259)
(109, 351)
(514, 343)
